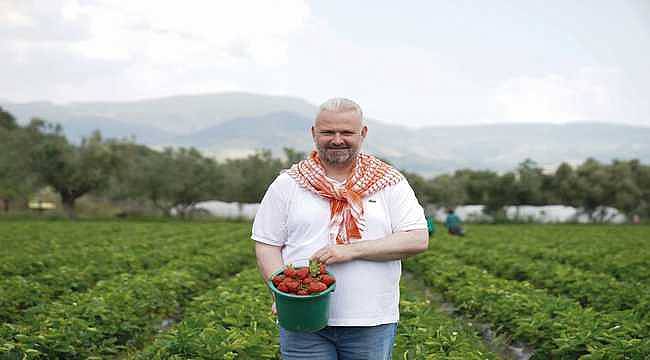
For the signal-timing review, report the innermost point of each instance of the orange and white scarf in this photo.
(370, 175)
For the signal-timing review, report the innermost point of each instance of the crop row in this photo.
(426, 333)
(601, 291)
(18, 294)
(557, 327)
(592, 238)
(123, 312)
(233, 321)
(30, 248)
(621, 251)
(631, 266)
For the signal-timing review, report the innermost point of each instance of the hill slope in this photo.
(234, 124)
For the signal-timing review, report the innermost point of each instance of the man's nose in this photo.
(338, 139)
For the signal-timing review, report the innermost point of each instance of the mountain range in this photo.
(236, 124)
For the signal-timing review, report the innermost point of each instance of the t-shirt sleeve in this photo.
(270, 224)
(405, 210)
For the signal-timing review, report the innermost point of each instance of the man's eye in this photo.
(333, 133)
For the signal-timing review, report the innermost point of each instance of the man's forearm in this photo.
(392, 247)
(269, 259)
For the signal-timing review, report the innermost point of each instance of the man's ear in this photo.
(364, 131)
(313, 132)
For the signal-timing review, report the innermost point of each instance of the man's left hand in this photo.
(332, 254)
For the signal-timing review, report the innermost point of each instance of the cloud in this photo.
(10, 17)
(198, 31)
(592, 93)
(25, 23)
(396, 82)
(152, 44)
(85, 50)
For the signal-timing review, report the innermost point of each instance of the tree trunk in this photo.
(5, 205)
(182, 212)
(165, 210)
(68, 206)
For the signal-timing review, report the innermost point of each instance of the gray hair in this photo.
(341, 105)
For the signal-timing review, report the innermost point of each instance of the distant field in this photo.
(173, 290)
(566, 290)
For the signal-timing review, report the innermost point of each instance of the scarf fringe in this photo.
(346, 205)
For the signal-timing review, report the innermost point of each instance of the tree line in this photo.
(38, 155)
(592, 185)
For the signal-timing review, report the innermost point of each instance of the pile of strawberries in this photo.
(303, 280)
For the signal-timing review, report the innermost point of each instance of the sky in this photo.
(411, 63)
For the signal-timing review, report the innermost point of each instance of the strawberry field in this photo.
(177, 290)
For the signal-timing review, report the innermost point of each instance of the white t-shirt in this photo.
(367, 292)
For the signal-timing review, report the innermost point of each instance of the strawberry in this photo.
(302, 273)
(327, 279)
(277, 279)
(292, 284)
(290, 271)
(283, 287)
(305, 280)
(316, 287)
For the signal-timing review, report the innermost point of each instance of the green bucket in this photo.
(306, 313)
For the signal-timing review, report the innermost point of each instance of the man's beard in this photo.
(336, 156)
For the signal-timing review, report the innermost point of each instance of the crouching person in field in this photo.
(453, 223)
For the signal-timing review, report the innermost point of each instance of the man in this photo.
(356, 214)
